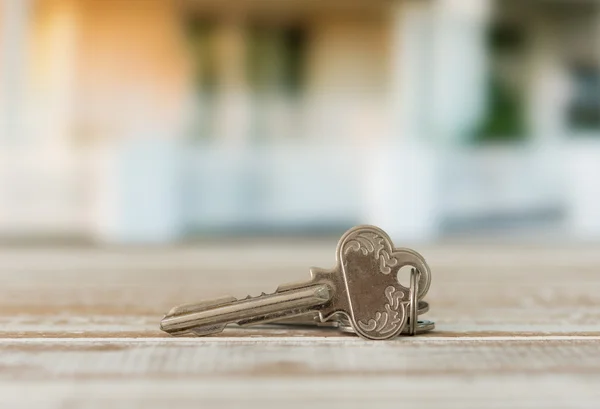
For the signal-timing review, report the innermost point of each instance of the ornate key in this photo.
(363, 287)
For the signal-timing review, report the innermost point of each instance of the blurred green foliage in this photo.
(505, 121)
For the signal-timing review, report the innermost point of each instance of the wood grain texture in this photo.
(516, 326)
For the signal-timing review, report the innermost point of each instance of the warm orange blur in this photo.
(157, 120)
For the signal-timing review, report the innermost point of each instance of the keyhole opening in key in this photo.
(403, 276)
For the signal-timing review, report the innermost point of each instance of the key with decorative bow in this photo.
(362, 287)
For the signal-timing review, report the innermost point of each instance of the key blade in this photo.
(182, 310)
(212, 317)
(201, 306)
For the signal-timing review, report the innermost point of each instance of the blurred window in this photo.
(584, 109)
(506, 38)
(203, 54)
(276, 61)
(505, 122)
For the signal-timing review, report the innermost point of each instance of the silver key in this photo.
(363, 287)
(211, 316)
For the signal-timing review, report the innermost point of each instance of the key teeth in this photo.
(197, 307)
(205, 305)
(322, 293)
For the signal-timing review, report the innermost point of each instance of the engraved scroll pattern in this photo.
(388, 320)
(372, 243)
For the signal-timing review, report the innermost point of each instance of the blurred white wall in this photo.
(106, 131)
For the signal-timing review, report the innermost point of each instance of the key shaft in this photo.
(209, 318)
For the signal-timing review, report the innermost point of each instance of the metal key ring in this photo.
(414, 290)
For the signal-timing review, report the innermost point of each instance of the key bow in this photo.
(377, 303)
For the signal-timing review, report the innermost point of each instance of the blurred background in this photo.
(156, 121)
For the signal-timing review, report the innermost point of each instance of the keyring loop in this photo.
(414, 294)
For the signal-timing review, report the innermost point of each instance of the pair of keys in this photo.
(361, 294)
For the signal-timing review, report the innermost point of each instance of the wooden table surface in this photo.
(517, 326)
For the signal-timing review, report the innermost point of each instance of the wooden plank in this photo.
(516, 326)
(477, 290)
(294, 372)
